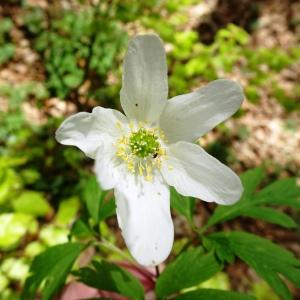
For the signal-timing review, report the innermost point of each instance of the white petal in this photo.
(193, 172)
(187, 117)
(84, 130)
(145, 83)
(108, 167)
(143, 211)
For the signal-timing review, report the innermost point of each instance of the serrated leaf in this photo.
(213, 294)
(93, 197)
(183, 205)
(190, 268)
(110, 277)
(266, 258)
(270, 215)
(221, 247)
(251, 180)
(282, 192)
(275, 282)
(51, 268)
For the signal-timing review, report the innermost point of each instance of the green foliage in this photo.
(12, 120)
(81, 230)
(31, 202)
(108, 209)
(74, 45)
(10, 184)
(14, 227)
(67, 211)
(15, 269)
(190, 60)
(263, 291)
(211, 294)
(51, 268)
(107, 276)
(93, 197)
(100, 205)
(189, 269)
(266, 258)
(253, 203)
(183, 205)
(7, 49)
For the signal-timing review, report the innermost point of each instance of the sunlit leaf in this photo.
(51, 268)
(67, 211)
(14, 227)
(33, 203)
(212, 294)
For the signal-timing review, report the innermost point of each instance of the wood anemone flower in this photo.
(151, 148)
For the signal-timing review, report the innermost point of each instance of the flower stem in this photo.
(157, 271)
(112, 247)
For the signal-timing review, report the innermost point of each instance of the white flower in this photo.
(141, 155)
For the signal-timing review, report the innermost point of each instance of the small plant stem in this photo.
(112, 247)
(157, 271)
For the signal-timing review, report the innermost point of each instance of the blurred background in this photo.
(60, 57)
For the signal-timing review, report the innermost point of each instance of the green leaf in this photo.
(6, 52)
(52, 234)
(212, 294)
(93, 197)
(183, 205)
(72, 80)
(110, 277)
(107, 209)
(81, 230)
(51, 268)
(266, 258)
(251, 180)
(190, 268)
(6, 25)
(270, 215)
(10, 184)
(282, 192)
(221, 247)
(67, 211)
(33, 203)
(14, 227)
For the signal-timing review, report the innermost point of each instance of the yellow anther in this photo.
(141, 149)
(131, 125)
(149, 177)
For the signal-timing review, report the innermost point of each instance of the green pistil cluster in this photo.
(144, 143)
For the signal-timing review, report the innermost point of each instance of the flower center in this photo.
(144, 143)
(141, 150)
